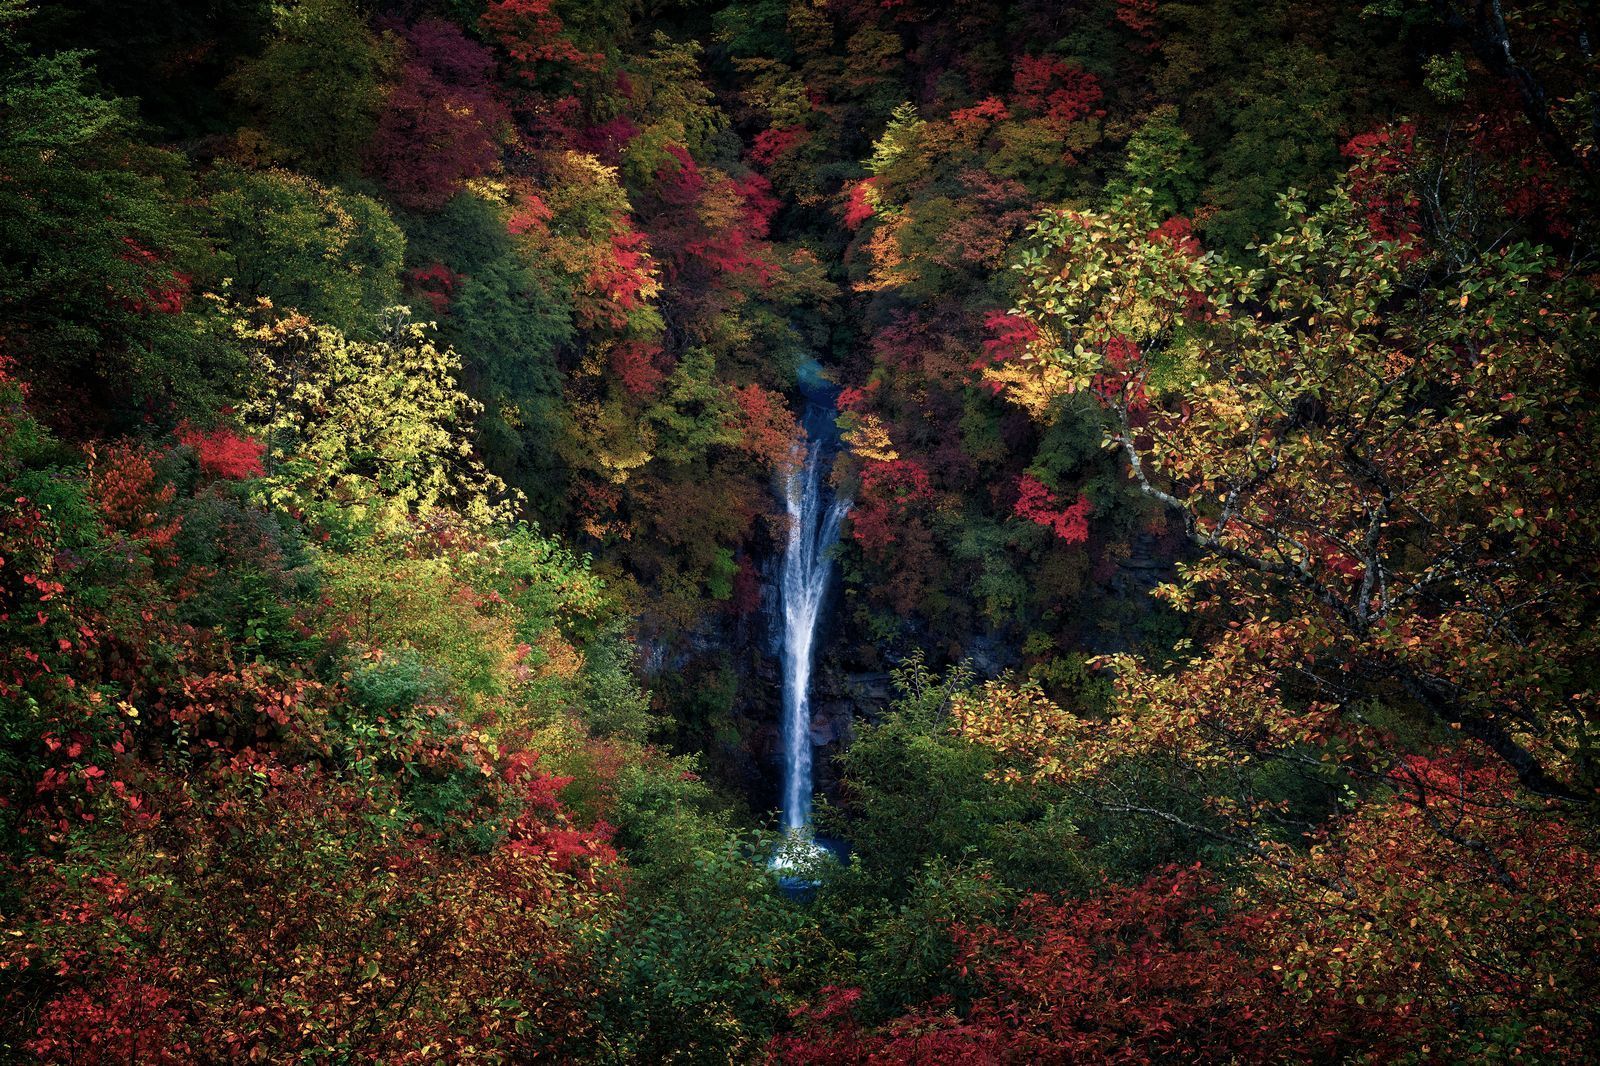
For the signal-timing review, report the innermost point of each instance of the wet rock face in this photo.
(830, 722)
(841, 701)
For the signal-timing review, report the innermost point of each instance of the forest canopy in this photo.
(402, 404)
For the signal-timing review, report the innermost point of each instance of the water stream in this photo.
(815, 515)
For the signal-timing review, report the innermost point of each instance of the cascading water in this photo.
(815, 516)
(814, 522)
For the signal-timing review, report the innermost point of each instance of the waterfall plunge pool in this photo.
(803, 860)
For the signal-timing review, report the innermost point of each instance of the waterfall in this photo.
(814, 521)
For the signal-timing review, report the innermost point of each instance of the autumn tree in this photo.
(316, 249)
(96, 263)
(318, 85)
(1540, 52)
(444, 99)
(363, 433)
(1370, 469)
